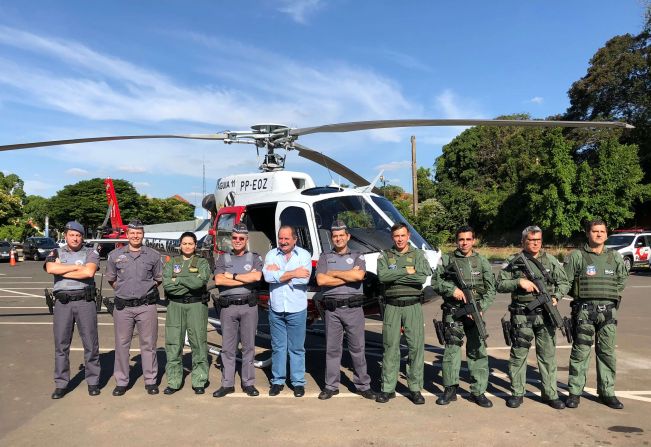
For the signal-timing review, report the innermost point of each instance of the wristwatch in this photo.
(234, 275)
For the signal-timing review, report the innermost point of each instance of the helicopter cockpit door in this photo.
(299, 216)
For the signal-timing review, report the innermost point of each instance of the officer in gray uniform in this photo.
(74, 267)
(135, 272)
(340, 273)
(237, 275)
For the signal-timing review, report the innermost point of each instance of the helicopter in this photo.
(273, 196)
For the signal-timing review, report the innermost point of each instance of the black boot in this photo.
(449, 395)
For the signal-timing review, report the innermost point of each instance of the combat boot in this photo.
(514, 401)
(449, 395)
(572, 401)
(612, 402)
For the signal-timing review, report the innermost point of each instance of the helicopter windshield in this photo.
(369, 231)
(391, 211)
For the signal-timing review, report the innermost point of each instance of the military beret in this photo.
(75, 226)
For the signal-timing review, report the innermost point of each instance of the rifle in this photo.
(470, 306)
(542, 298)
(49, 300)
(98, 296)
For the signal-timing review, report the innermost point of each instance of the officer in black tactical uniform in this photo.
(74, 267)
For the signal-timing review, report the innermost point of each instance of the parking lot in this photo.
(30, 417)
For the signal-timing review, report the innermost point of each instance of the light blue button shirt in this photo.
(289, 296)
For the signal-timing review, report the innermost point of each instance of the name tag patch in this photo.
(591, 270)
(475, 273)
(609, 272)
(392, 266)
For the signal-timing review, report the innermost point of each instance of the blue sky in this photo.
(77, 68)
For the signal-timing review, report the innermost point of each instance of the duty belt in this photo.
(238, 300)
(403, 303)
(150, 298)
(592, 307)
(332, 303)
(64, 297)
(188, 299)
(517, 310)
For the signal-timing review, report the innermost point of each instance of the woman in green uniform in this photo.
(184, 282)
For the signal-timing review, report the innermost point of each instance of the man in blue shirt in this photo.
(287, 269)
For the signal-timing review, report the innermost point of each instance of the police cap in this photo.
(136, 224)
(240, 228)
(339, 225)
(75, 226)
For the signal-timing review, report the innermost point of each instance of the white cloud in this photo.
(141, 184)
(394, 165)
(298, 10)
(132, 169)
(37, 187)
(91, 85)
(537, 100)
(77, 172)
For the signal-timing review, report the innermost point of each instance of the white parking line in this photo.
(22, 293)
(24, 307)
(25, 282)
(23, 288)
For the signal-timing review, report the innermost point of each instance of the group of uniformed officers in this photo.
(593, 277)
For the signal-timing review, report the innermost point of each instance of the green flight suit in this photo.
(598, 281)
(400, 288)
(535, 325)
(477, 273)
(186, 278)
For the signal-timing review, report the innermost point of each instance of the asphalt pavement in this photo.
(30, 417)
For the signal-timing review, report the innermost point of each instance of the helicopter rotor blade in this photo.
(216, 136)
(386, 124)
(333, 165)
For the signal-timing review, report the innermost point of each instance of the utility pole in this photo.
(414, 176)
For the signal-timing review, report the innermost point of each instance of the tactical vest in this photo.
(470, 268)
(596, 280)
(521, 296)
(72, 257)
(400, 290)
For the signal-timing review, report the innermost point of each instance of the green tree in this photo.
(165, 210)
(617, 85)
(35, 209)
(11, 198)
(86, 202)
(425, 183)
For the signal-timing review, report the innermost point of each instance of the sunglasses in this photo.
(238, 238)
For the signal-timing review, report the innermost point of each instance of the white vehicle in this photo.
(634, 246)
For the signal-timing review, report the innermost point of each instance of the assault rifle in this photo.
(49, 300)
(470, 306)
(542, 298)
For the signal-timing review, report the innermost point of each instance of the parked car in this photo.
(37, 248)
(635, 247)
(5, 250)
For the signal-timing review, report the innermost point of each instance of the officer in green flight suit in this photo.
(477, 274)
(598, 278)
(533, 324)
(184, 282)
(403, 270)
